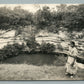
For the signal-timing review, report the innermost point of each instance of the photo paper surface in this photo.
(41, 41)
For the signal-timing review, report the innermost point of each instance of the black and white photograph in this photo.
(41, 42)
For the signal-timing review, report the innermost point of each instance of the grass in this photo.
(32, 72)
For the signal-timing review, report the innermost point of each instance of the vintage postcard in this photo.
(41, 41)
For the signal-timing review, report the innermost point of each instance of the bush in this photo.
(47, 48)
(59, 47)
(32, 45)
(18, 46)
(11, 50)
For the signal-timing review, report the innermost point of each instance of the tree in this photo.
(14, 18)
(43, 17)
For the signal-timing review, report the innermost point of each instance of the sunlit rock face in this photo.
(13, 36)
(6, 38)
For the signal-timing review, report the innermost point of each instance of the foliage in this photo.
(11, 50)
(59, 47)
(16, 17)
(73, 22)
(44, 18)
(47, 48)
(33, 45)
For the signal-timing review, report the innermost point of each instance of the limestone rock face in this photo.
(6, 38)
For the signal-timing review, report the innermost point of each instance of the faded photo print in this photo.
(41, 41)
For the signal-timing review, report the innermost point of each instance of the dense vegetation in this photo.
(10, 50)
(47, 47)
(70, 17)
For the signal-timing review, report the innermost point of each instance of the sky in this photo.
(31, 7)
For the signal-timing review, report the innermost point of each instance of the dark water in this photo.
(36, 59)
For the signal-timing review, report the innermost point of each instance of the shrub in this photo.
(19, 47)
(59, 47)
(2, 55)
(47, 48)
(11, 50)
(32, 45)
